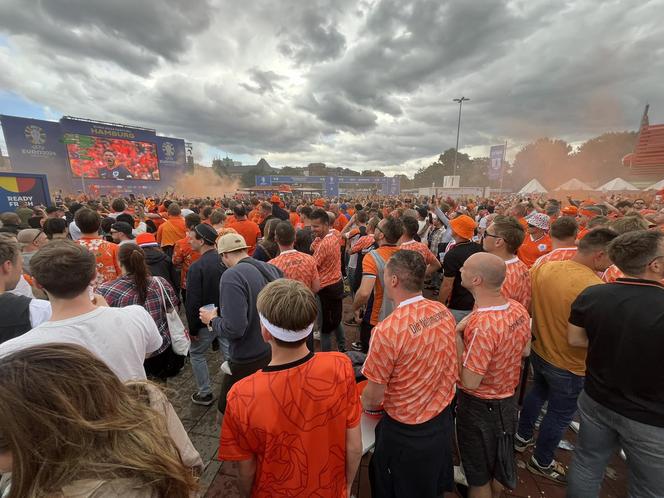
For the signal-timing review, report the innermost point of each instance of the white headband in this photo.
(284, 334)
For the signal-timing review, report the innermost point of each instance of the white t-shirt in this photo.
(121, 337)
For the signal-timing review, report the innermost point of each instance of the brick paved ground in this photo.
(218, 480)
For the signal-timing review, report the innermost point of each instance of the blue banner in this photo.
(170, 151)
(496, 157)
(99, 130)
(17, 187)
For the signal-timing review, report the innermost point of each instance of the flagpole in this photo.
(502, 168)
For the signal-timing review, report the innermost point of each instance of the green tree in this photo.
(545, 159)
(600, 158)
(372, 172)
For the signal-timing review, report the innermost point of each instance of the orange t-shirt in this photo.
(328, 258)
(293, 419)
(340, 223)
(413, 245)
(183, 257)
(612, 274)
(413, 353)
(362, 243)
(171, 231)
(249, 230)
(531, 249)
(106, 254)
(560, 254)
(294, 218)
(230, 219)
(517, 282)
(297, 266)
(370, 270)
(494, 340)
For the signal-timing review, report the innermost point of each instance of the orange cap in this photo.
(570, 210)
(319, 203)
(463, 226)
(275, 198)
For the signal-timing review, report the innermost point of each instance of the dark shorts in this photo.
(485, 436)
(412, 460)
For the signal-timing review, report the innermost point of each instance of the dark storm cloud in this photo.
(133, 34)
(311, 38)
(262, 81)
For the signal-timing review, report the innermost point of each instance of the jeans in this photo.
(561, 389)
(197, 354)
(339, 334)
(602, 432)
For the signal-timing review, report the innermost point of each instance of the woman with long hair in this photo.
(268, 249)
(137, 286)
(69, 427)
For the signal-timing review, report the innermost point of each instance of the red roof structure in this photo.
(648, 156)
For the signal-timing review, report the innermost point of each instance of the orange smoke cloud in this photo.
(204, 182)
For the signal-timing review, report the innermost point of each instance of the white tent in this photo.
(617, 185)
(574, 184)
(533, 187)
(656, 186)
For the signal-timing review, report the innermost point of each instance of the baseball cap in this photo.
(231, 242)
(123, 227)
(28, 235)
(206, 232)
(146, 240)
(463, 226)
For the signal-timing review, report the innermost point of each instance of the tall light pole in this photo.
(456, 149)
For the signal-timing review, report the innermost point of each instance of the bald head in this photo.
(488, 267)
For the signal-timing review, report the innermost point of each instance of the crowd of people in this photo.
(459, 306)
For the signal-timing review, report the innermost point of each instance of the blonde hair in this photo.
(66, 416)
(288, 304)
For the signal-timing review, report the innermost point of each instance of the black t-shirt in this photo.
(624, 321)
(460, 299)
(119, 173)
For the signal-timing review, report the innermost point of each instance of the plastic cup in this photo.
(208, 307)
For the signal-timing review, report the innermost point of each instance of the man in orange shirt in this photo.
(370, 295)
(327, 253)
(172, 230)
(183, 254)
(407, 242)
(412, 372)
(537, 242)
(563, 241)
(294, 426)
(295, 265)
(106, 253)
(248, 229)
(491, 343)
(293, 217)
(502, 238)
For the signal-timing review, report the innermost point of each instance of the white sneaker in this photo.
(226, 368)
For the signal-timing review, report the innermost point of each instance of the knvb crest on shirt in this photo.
(35, 135)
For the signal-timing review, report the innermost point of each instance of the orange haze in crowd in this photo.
(204, 182)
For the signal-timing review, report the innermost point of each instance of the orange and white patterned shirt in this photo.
(106, 254)
(413, 245)
(362, 243)
(327, 254)
(517, 282)
(297, 266)
(560, 254)
(612, 274)
(494, 340)
(413, 353)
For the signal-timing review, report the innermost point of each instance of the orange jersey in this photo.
(340, 223)
(494, 340)
(612, 274)
(370, 270)
(297, 266)
(293, 421)
(362, 243)
(171, 231)
(560, 254)
(413, 245)
(106, 254)
(531, 249)
(183, 257)
(517, 282)
(413, 353)
(250, 231)
(328, 258)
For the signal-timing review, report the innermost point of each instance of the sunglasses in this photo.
(37, 236)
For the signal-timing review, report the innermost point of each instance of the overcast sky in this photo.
(349, 83)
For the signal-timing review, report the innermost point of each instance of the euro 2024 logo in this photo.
(35, 135)
(169, 149)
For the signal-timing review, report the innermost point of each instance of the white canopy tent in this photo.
(617, 185)
(574, 184)
(656, 186)
(533, 187)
